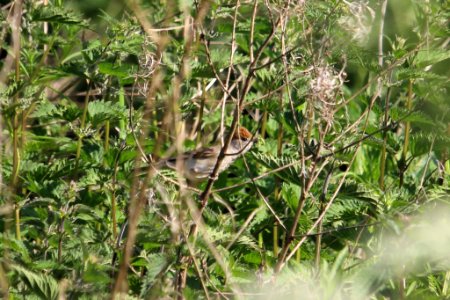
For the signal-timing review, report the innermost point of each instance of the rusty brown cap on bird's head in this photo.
(242, 133)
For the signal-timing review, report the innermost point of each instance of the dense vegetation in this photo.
(344, 196)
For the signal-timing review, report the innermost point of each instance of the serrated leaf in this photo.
(42, 285)
(291, 173)
(430, 57)
(100, 111)
(291, 194)
(55, 14)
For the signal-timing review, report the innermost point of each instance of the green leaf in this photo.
(41, 285)
(291, 194)
(122, 71)
(430, 57)
(100, 111)
(55, 14)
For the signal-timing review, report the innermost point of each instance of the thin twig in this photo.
(230, 69)
(333, 197)
(379, 88)
(322, 199)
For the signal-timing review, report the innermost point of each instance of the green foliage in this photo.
(350, 150)
(35, 284)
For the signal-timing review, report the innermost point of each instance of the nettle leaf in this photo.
(85, 213)
(416, 117)
(221, 58)
(91, 178)
(412, 73)
(100, 111)
(291, 194)
(92, 153)
(20, 248)
(430, 57)
(131, 43)
(92, 54)
(55, 14)
(261, 216)
(422, 141)
(96, 275)
(124, 72)
(201, 70)
(247, 241)
(241, 274)
(45, 264)
(38, 284)
(253, 257)
(290, 174)
(155, 264)
(70, 112)
(109, 68)
(45, 109)
(47, 143)
(218, 235)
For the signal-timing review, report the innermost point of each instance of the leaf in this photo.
(41, 285)
(95, 275)
(122, 72)
(413, 117)
(45, 109)
(430, 57)
(343, 254)
(56, 14)
(291, 194)
(253, 258)
(100, 111)
(290, 173)
(156, 263)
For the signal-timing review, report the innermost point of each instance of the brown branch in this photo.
(137, 201)
(239, 107)
(138, 196)
(281, 263)
(322, 199)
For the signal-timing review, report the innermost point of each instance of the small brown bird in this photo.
(198, 165)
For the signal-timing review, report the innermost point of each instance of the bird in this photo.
(198, 165)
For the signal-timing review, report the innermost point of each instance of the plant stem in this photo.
(386, 109)
(16, 153)
(60, 238)
(107, 129)
(17, 218)
(264, 124)
(16, 127)
(277, 192)
(81, 133)
(322, 206)
(290, 235)
(113, 212)
(122, 104)
(383, 149)
(404, 164)
(113, 198)
(198, 129)
(408, 123)
(446, 284)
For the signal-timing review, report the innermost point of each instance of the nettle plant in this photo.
(343, 196)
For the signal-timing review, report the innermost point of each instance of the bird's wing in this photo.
(204, 153)
(172, 161)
